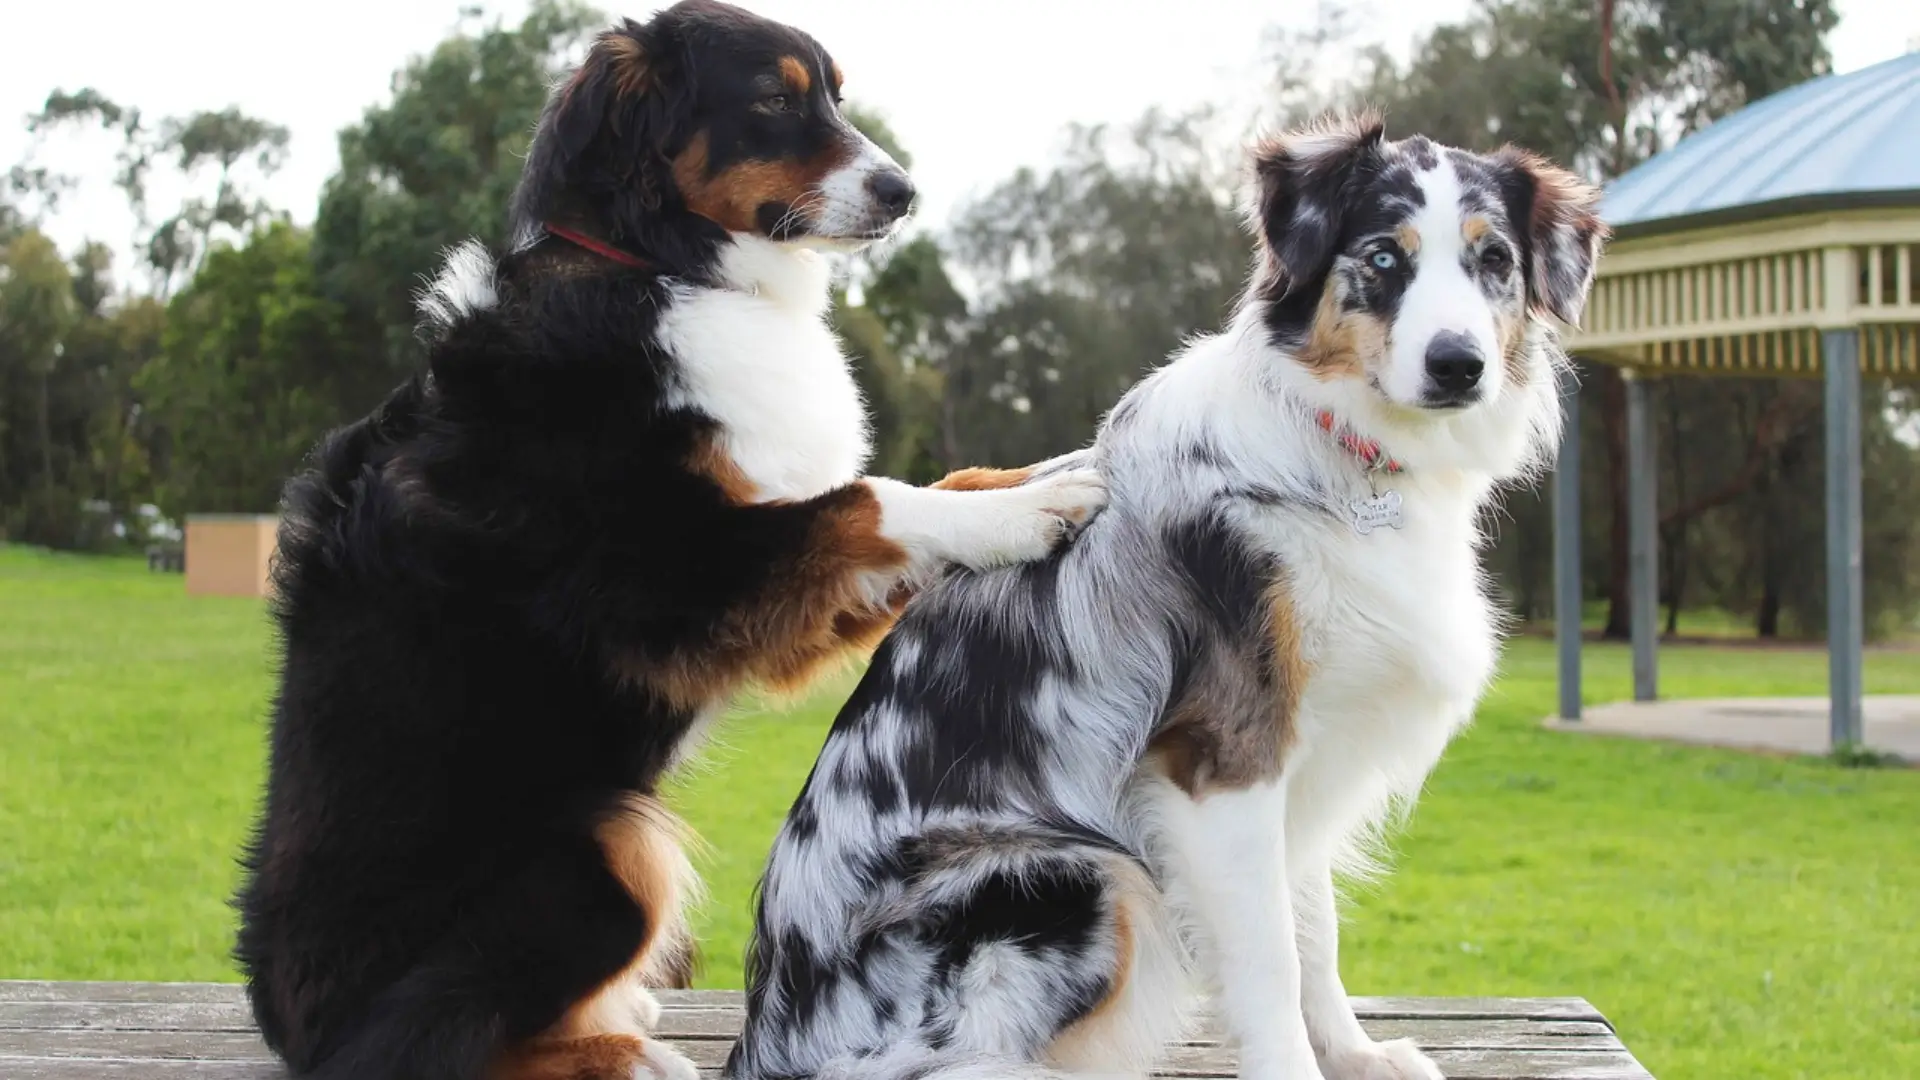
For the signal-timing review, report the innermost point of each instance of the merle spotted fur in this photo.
(1066, 795)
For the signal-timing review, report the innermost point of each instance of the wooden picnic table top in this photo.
(203, 1031)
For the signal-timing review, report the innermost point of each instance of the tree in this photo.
(225, 139)
(36, 310)
(1089, 275)
(244, 382)
(1600, 86)
(26, 194)
(924, 319)
(899, 390)
(431, 168)
(96, 443)
(111, 342)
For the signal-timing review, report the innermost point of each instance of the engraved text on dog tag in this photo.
(1377, 511)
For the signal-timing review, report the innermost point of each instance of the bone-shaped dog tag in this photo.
(1377, 511)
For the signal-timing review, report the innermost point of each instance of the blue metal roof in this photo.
(1838, 140)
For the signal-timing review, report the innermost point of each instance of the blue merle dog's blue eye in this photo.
(1385, 260)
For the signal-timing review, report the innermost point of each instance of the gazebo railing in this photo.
(1891, 349)
(1751, 299)
(1888, 289)
(1733, 296)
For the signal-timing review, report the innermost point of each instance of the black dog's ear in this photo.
(1556, 215)
(1300, 181)
(620, 88)
(616, 74)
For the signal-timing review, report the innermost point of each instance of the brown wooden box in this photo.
(229, 554)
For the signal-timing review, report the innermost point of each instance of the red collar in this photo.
(1367, 450)
(598, 247)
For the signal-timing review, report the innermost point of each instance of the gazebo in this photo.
(1783, 240)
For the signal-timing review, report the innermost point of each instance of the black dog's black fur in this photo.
(460, 574)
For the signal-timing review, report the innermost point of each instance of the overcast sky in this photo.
(974, 88)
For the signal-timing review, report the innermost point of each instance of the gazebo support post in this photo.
(1566, 548)
(1840, 359)
(1741, 253)
(1643, 543)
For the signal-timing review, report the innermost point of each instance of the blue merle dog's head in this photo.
(1414, 268)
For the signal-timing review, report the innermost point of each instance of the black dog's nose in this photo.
(1454, 364)
(892, 192)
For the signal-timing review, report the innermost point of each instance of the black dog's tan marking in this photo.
(737, 196)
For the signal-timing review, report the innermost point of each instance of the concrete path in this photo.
(1792, 725)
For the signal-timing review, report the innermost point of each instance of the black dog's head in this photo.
(707, 121)
(1412, 269)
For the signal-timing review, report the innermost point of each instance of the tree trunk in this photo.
(949, 432)
(1616, 105)
(1613, 416)
(1673, 541)
(1528, 600)
(46, 438)
(1674, 574)
(1767, 624)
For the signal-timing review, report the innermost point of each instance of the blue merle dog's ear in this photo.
(1556, 217)
(1302, 181)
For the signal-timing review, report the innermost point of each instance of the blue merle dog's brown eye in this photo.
(1496, 260)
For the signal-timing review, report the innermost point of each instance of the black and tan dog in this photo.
(511, 598)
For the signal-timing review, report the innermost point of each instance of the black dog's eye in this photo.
(776, 103)
(1496, 260)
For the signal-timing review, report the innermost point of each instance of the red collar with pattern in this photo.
(1367, 450)
(598, 247)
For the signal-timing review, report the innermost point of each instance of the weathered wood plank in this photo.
(202, 1031)
(1458, 1065)
(1507, 1035)
(15, 1067)
(159, 993)
(682, 1022)
(143, 1045)
(1382, 1008)
(124, 1016)
(25, 1068)
(1212, 1062)
(1396, 1008)
(219, 1016)
(1541, 1065)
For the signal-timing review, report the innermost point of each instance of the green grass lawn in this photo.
(1736, 916)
